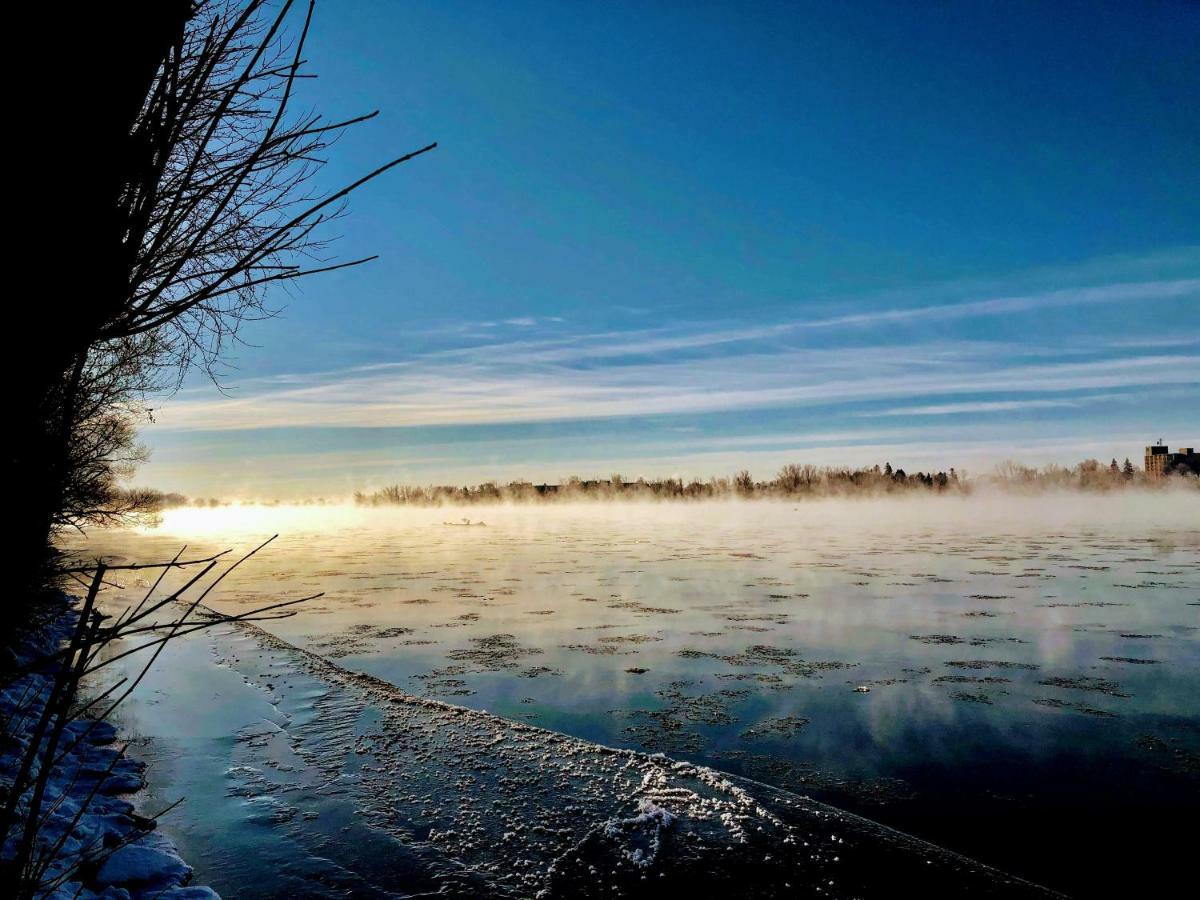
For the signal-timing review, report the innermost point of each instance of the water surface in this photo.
(1015, 679)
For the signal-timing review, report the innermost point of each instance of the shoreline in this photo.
(107, 848)
(468, 801)
(1061, 605)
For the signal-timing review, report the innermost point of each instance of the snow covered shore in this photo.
(310, 779)
(105, 848)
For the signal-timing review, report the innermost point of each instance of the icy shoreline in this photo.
(335, 782)
(539, 813)
(107, 850)
(349, 783)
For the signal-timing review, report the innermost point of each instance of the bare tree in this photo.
(41, 852)
(789, 478)
(743, 483)
(199, 197)
(224, 206)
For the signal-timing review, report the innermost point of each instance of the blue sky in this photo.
(669, 238)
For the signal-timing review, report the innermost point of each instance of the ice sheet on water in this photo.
(522, 811)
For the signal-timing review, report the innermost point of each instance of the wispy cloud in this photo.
(466, 393)
(551, 374)
(985, 359)
(1155, 343)
(662, 341)
(985, 406)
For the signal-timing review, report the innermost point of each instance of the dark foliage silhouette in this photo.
(169, 184)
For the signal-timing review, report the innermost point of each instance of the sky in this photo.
(688, 238)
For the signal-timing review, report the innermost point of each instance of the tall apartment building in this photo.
(1160, 460)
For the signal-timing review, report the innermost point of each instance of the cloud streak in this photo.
(649, 342)
(987, 406)
(555, 376)
(942, 382)
(485, 393)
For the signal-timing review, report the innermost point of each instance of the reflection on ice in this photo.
(999, 676)
(469, 804)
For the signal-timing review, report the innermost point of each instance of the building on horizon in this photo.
(1161, 462)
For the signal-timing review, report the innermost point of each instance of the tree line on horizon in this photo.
(792, 481)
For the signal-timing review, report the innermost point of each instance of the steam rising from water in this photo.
(1127, 512)
(922, 659)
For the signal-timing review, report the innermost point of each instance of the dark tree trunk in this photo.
(81, 86)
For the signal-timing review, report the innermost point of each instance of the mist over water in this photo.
(1013, 677)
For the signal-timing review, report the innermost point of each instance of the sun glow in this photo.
(251, 519)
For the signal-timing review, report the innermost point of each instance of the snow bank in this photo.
(106, 848)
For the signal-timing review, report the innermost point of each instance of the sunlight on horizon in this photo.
(1136, 510)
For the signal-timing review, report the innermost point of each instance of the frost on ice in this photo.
(503, 808)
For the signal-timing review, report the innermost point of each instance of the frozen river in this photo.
(1015, 679)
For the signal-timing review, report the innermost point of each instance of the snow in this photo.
(151, 862)
(90, 776)
(534, 812)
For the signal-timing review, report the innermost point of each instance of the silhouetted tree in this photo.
(223, 206)
(103, 447)
(196, 197)
(789, 478)
(743, 483)
(77, 116)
